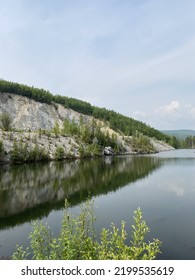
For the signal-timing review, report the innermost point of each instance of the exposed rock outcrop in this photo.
(30, 117)
(29, 114)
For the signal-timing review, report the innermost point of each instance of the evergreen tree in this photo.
(59, 153)
(15, 153)
(5, 121)
(56, 129)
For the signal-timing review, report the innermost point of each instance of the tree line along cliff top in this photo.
(117, 121)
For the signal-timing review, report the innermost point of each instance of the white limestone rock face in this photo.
(161, 146)
(29, 114)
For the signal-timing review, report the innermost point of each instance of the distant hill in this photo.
(32, 131)
(180, 133)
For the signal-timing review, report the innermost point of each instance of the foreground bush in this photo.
(78, 241)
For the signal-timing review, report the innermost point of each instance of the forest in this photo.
(117, 121)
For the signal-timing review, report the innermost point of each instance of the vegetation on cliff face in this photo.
(71, 141)
(118, 122)
(142, 144)
(5, 122)
(21, 153)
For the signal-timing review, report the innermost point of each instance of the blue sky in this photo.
(136, 57)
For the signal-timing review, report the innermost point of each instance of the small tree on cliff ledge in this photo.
(5, 122)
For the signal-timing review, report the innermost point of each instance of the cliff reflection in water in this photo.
(32, 191)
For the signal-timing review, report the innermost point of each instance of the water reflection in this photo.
(161, 184)
(31, 191)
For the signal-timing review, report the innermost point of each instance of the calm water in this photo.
(163, 185)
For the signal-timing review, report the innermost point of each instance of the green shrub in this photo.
(78, 241)
(141, 143)
(59, 153)
(16, 152)
(36, 154)
(56, 129)
(21, 153)
(5, 122)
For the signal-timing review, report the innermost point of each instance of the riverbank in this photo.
(29, 146)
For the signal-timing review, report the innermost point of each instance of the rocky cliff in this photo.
(29, 114)
(33, 131)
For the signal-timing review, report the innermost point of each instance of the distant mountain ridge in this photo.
(180, 133)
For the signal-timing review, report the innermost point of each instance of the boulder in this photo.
(108, 151)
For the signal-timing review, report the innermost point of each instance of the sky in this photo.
(136, 57)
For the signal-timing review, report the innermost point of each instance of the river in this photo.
(162, 185)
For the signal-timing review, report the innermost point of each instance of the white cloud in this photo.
(177, 109)
(123, 55)
(174, 115)
(169, 108)
(190, 110)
